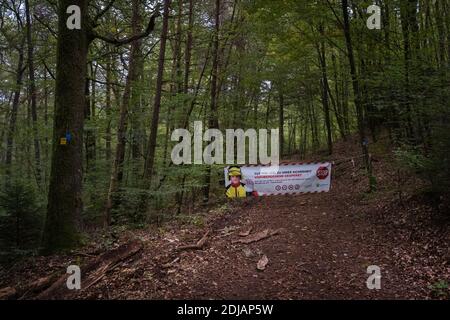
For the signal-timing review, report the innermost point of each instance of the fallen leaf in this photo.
(262, 263)
(245, 233)
(247, 252)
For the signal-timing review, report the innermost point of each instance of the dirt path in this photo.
(325, 244)
(322, 251)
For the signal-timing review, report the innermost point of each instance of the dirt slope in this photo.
(322, 250)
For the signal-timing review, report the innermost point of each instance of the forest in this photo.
(90, 97)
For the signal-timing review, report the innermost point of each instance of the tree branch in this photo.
(105, 9)
(119, 42)
(48, 70)
(105, 82)
(339, 21)
(47, 26)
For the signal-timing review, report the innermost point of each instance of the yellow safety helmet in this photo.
(234, 172)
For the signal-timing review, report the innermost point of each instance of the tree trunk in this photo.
(92, 142)
(188, 49)
(32, 88)
(14, 109)
(441, 32)
(150, 160)
(446, 7)
(136, 106)
(187, 69)
(405, 12)
(117, 169)
(338, 102)
(176, 85)
(324, 85)
(64, 196)
(46, 94)
(88, 139)
(213, 121)
(357, 94)
(108, 108)
(281, 122)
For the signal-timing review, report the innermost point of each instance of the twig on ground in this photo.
(198, 246)
(258, 236)
(246, 233)
(169, 264)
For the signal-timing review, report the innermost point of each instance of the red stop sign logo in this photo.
(322, 173)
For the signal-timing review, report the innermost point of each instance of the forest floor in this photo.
(321, 248)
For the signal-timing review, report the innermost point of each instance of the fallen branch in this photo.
(38, 286)
(7, 293)
(198, 246)
(83, 254)
(246, 233)
(93, 271)
(258, 236)
(168, 265)
(21, 293)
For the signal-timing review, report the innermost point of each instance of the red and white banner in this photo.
(288, 178)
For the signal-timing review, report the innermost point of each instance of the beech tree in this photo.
(65, 189)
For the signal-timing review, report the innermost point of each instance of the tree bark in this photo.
(324, 85)
(14, 108)
(108, 108)
(117, 169)
(176, 85)
(32, 88)
(149, 163)
(65, 190)
(89, 139)
(213, 121)
(188, 49)
(338, 105)
(281, 122)
(357, 93)
(407, 29)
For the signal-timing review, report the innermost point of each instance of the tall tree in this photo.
(187, 51)
(64, 196)
(325, 89)
(132, 77)
(281, 121)
(108, 106)
(65, 189)
(357, 93)
(33, 93)
(151, 148)
(15, 105)
(213, 121)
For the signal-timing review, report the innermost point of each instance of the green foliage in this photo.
(440, 289)
(130, 206)
(372, 183)
(21, 219)
(437, 166)
(411, 158)
(94, 193)
(432, 165)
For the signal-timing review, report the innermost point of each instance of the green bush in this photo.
(21, 219)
